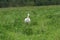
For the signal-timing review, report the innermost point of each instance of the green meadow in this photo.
(44, 25)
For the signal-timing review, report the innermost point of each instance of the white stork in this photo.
(27, 19)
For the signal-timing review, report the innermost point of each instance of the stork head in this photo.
(28, 15)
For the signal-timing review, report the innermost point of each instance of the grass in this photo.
(45, 23)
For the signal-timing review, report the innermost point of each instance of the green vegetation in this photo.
(45, 23)
(17, 3)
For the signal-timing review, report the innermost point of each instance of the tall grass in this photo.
(45, 23)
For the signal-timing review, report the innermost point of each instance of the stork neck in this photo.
(28, 16)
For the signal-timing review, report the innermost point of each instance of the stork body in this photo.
(27, 19)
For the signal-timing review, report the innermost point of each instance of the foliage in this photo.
(14, 3)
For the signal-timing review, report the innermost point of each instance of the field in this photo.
(45, 23)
